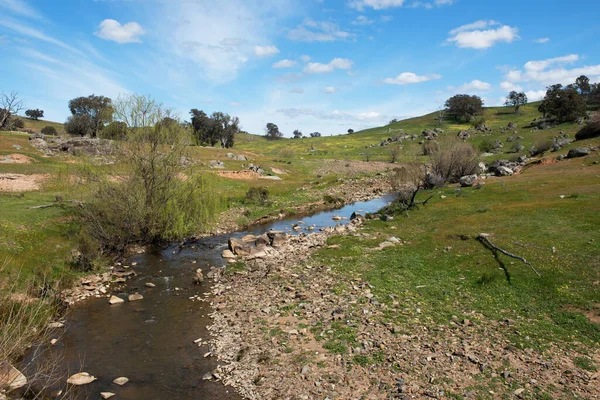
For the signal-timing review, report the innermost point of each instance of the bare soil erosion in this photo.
(21, 182)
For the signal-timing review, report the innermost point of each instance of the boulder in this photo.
(468, 180)
(135, 297)
(10, 377)
(578, 152)
(504, 171)
(115, 300)
(277, 238)
(227, 254)
(216, 164)
(481, 168)
(230, 155)
(355, 217)
(464, 135)
(589, 131)
(262, 241)
(241, 157)
(239, 247)
(82, 378)
(511, 126)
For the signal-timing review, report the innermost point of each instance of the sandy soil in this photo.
(241, 175)
(20, 182)
(16, 159)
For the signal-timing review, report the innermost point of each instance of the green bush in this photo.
(49, 130)
(487, 145)
(257, 195)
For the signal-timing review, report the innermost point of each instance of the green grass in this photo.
(38, 125)
(353, 146)
(526, 216)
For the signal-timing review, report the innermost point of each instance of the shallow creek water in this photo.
(151, 341)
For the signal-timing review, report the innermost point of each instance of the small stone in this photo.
(150, 284)
(82, 378)
(207, 376)
(53, 341)
(227, 254)
(135, 297)
(115, 300)
(519, 391)
(56, 325)
(121, 380)
(106, 395)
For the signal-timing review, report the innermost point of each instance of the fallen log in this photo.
(483, 238)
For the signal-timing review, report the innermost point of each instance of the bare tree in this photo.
(407, 180)
(10, 104)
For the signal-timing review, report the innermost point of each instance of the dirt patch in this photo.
(20, 182)
(279, 171)
(352, 168)
(593, 315)
(274, 320)
(241, 175)
(16, 159)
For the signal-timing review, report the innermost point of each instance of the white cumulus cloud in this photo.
(110, 29)
(284, 64)
(542, 40)
(482, 34)
(265, 51)
(318, 31)
(509, 87)
(472, 87)
(319, 68)
(552, 70)
(407, 78)
(329, 89)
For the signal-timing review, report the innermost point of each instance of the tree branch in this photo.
(483, 238)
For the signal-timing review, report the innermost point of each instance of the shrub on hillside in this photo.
(541, 146)
(258, 195)
(49, 130)
(478, 122)
(116, 130)
(453, 160)
(149, 201)
(487, 145)
(589, 131)
(430, 147)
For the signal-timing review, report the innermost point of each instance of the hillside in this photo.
(354, 146)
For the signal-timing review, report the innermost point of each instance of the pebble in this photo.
(115, 300)
(121, 380)
(106, 395)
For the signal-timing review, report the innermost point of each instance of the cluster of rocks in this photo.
(97, 285)
(271, 322)
(256, 168)
(239, 157)
(52, 146)
(431, 134)
(393, 139)
(216, 164)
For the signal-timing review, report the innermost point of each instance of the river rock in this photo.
(115, 300)
(135, 297)
(277, 238)
(227, 254)
(504, 171)
(106, 395)
(199, 277)
(56, 325)
(249, 238)
(239, 247)
(10, 377)
(150, 285)
(121, 380)
(262, 241)
(82, 378)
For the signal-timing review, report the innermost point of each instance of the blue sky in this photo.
(313, 65)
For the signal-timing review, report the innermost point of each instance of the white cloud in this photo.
(284, 64)
(360, 5)
(211, 43)
(20, 7)
(386, 18)
(329, 89)
(509, 87)
(552, 70)
(362, 20)
(472, 87)
(305, 58)
(543, 64)
(109, 29)
(336, 63)
(535, 95)
(318, 31)
(482, 35)
(375, 4)
(265, 51)
(406, 78)
(32, 33)
(542, 40)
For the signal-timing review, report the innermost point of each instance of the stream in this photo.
(151, 341)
